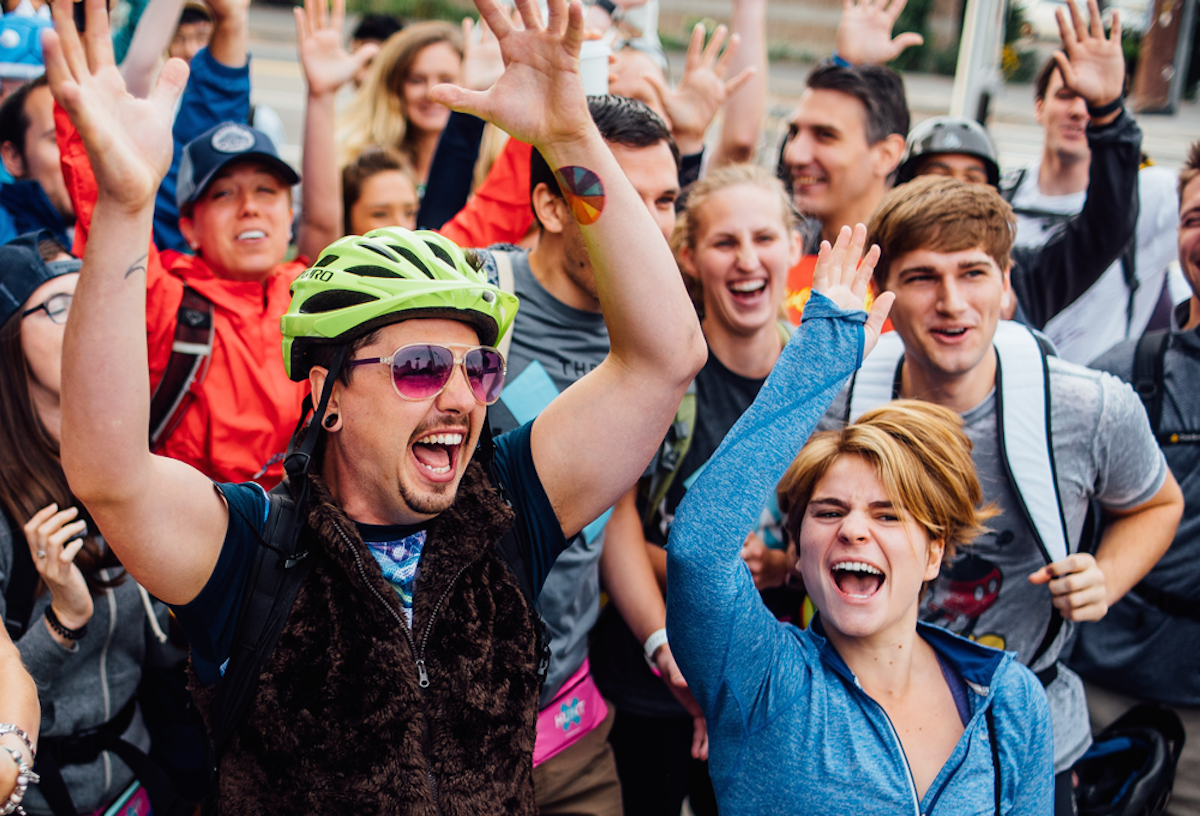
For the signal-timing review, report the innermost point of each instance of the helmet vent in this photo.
(415, 261)
(326, 261)
(370, 271)
(379, 250)
(334, 300)
(441, 253)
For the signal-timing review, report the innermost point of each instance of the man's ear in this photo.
(549, 208)
(888, 152)
(316, 381)
(1008, 298)
(13, 162)
(795, 248)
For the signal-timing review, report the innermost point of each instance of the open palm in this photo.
(1092, 65)
(841, 277)
(539, 98)
(128, 140)
(327, 64)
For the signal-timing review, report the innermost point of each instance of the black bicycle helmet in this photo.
(948, 134)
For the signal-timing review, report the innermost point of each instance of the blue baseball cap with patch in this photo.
(22, 271)
(204, 156)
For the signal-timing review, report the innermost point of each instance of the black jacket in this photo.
(1049, 278)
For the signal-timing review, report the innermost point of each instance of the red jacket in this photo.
(499, 212)
(243, 412)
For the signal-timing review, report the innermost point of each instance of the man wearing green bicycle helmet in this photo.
(405, 678)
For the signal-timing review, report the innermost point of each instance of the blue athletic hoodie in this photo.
(790, 729)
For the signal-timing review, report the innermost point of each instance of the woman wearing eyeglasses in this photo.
(79, 623)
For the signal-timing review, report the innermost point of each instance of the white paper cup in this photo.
(593, 67)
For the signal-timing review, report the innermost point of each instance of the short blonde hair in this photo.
(687, 224)
(923, 459)
(944, 215)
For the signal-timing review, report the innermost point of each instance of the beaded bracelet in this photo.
(25, 775)
(57, 626)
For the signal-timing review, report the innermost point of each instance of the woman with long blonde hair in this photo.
(392, 107)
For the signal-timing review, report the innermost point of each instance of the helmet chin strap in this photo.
(297, 462)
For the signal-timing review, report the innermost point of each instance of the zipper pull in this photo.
(423, 682)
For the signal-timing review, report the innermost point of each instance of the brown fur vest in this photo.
(340, 724)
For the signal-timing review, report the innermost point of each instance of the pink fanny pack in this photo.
(575, 710)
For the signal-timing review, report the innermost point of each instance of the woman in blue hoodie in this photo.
(867, 710)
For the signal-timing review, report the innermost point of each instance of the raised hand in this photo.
(539, 98)
(327, 64)
(702, 90)
(48, 534)
(1092, 65)
(128, 140)
(840, 277)
(864, 35)
(483, 63)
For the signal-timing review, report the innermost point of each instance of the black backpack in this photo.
(1130, 768)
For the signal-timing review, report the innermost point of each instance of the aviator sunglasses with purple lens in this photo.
(421, 371)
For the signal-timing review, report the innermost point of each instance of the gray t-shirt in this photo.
(554, 345)
(1103, 450)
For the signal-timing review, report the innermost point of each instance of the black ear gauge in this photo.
(331, 420)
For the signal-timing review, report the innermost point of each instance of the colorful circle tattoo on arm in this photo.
(583, 191)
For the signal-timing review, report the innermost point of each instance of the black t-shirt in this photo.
(210, 620)
(618, 664)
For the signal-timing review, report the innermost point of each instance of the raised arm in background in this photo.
(702, 90)
(153, 34)
(217, 91)
(1050, 278)
(746, 108)
(327, 67)
(591, 444)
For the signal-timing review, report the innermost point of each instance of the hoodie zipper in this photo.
(418, 655)
(912, 783)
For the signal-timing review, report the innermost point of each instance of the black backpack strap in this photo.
(22, 584)
(279, 569)
(1148, 373)
(994, 741)
(186, 367)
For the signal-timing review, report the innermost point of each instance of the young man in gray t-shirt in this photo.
(945, 254)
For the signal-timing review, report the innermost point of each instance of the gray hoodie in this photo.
(86, 685)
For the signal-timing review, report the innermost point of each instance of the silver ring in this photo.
(41, 553)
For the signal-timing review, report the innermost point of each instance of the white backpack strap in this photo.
(1023, 414)
(875, 382)
(504, 272)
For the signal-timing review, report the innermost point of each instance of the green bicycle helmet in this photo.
(361, 283)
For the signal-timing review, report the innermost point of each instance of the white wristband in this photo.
(656, 640)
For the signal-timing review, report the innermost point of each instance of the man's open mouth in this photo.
(857, 579)
(438, 452)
